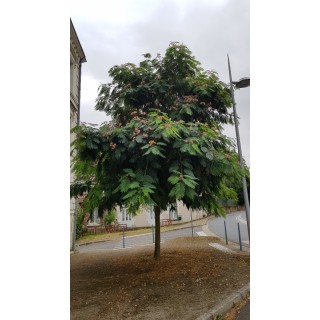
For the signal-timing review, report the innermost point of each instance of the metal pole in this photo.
(152, 233)
(74, 224)
(123, 237)
(244, 182)
(240, 242)
(191, 222)
(225, 231)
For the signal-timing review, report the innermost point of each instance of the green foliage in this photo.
(165, 141)
(136, 189)
(236, 184)
(110, 217)
(79, 223)
(175, 84)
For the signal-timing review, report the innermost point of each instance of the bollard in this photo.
(225, 231)
(123, 237)
(152, 233)
(191, 222)
(240, 242)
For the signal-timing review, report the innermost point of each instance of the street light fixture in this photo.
(242, 83)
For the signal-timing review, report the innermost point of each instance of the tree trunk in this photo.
(157, 212)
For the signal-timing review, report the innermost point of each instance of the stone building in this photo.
(77, 57)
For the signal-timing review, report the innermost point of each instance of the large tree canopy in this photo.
(174, 84)
(165, 141)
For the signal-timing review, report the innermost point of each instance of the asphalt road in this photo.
(217, 227)
(244, 313)
(139, 240)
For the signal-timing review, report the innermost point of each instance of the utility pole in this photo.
(244, 182)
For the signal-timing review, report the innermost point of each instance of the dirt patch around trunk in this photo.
(189, 279)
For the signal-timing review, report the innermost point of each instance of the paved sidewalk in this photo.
(245, 313)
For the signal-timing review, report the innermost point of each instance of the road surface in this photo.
(140, 240)
(232, 219)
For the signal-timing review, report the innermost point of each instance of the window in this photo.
(123, 212)
(94, 217)
(173, 215)
(151, 212)
(125, 215)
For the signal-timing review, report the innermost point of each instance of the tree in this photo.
(165, 141)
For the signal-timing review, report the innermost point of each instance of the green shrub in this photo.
(110, 217)
(79, 226)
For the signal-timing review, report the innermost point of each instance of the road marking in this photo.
(132, 246)
(201, 234)
(141, 245)
(138, 235)
(221, 248)
(238, 218)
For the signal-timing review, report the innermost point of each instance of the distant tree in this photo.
(237, 186)
(164, 143)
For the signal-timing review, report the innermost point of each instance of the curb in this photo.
(223, 307)
(91, 242)
(186, 227)
(208, 232)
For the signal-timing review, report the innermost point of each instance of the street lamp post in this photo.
(242, 83)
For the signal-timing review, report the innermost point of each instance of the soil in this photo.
(187, 280)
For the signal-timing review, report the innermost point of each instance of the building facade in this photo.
(178, 213)
(146, 218)
(77, 57)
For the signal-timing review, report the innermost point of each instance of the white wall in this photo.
(145, 218)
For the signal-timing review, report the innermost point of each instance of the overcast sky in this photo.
(116, 32)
